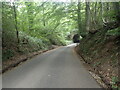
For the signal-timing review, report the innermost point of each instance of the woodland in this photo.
(33, 26)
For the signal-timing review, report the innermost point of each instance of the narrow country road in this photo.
(58, 68)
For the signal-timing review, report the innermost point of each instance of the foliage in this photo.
(39, 26)
(114, 81)
(42, 24)
(115, 31)
(7, 54)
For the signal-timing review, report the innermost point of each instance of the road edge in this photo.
(26, 58)
(90, 69)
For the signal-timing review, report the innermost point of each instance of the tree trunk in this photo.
(102, 19)
(79, 17)
(15, 18)
(87, 16)
(44, 23)
(30, 14)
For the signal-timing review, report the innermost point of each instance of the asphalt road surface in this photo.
(58, 68)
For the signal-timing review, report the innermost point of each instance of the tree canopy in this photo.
(42, 24)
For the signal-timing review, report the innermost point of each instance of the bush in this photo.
(7, 54)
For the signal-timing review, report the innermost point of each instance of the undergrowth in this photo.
(27, 43)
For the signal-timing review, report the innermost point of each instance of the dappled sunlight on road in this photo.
(72, 45)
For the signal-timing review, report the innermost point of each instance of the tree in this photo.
(43, 14)
(30, 13)
(87, 11)
(15, 18)
(79, 17)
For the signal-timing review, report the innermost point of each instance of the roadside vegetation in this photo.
(31, 26)
(100, 45)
